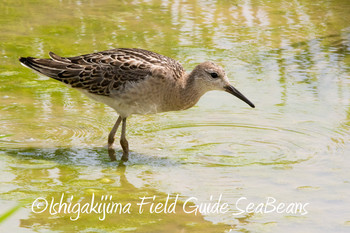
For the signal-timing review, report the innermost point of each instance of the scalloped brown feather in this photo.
(104, 72)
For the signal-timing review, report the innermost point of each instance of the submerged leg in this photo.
(111, 151)
(113, 131)
(123, 142)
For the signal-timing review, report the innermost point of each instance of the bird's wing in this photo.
(102, 72)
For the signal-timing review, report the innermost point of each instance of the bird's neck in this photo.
(190, 91)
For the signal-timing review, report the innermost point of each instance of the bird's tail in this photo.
(56, 67)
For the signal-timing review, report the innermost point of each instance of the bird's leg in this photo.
(123, 142)
(111, 151)
(112, 133)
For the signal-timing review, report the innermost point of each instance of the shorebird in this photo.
(134, 81)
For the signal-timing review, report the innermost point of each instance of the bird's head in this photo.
(212, 77)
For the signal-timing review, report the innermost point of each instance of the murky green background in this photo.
(290, 58)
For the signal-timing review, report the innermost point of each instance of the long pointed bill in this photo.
(230, 89)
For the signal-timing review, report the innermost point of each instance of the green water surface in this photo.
(290, 58)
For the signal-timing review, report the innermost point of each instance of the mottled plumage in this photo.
(134, 81)
(102, 72)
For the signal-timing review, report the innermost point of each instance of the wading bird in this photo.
(134, 81)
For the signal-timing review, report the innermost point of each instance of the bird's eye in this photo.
(214, 75)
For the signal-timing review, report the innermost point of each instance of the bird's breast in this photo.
(148, 97)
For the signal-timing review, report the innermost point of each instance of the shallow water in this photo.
(290, 58)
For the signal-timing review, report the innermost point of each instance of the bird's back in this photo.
(107, 72)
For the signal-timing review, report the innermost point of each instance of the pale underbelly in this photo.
(127, 105)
